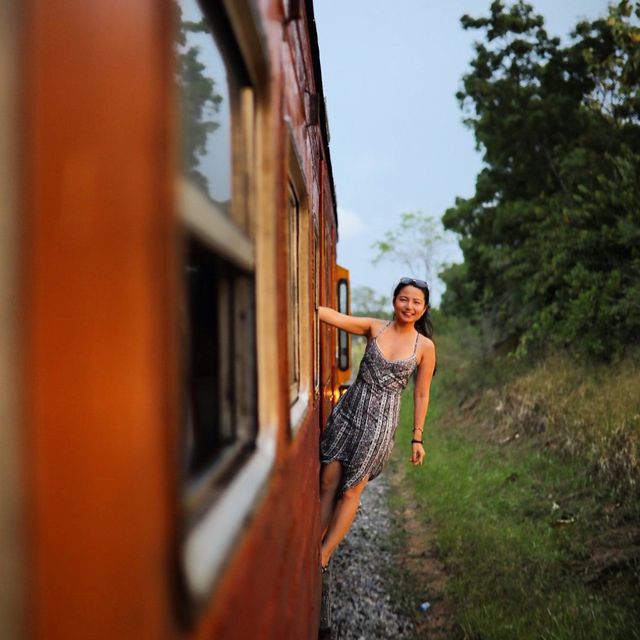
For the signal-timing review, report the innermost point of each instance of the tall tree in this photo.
(550, 236)
(366, 302)
(415, 243)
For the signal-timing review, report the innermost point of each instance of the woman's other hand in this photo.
(417, 453)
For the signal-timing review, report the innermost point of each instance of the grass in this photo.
(594, 411)
(586, 409)
(536, 545)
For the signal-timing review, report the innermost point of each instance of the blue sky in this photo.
(390, 72)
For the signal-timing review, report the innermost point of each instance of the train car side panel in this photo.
(271, 586)
(172, 378)
(98, 406)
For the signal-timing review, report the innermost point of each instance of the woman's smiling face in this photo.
(409, 305)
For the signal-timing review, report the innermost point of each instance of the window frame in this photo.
(315, 271)
(13, 554)
(226, 237)
(212, 523)
(343, 359)
(293, 281)
(300, 392)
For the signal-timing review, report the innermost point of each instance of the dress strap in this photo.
(415, 346)
(381, 330)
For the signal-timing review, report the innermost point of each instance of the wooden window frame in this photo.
(212, 526)
(315, 272)
(343, 360)
(293, 279)
(12, 553)
(300, 390)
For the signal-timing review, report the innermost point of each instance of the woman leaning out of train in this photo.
(358, 437)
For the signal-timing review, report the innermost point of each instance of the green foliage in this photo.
(414, 243)
(550, 237)
(368, 303)
(592, 411)
(613, 57)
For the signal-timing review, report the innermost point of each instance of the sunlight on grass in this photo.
(513, 574)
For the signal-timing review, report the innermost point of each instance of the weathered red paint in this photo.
(100, 340)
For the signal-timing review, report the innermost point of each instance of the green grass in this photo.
(513, 574)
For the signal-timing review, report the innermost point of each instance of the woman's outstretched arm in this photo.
(421, 397)
(352, 324)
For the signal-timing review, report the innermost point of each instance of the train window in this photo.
(219, 360)
(343, 336)
(205, 107)
(300, 298)
(315, 270)
(220, 417)
(223, 468)
(294, 294)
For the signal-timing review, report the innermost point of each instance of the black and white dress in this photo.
(361, 427)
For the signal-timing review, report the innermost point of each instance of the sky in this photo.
(390, 72)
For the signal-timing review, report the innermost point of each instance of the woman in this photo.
(359, 434)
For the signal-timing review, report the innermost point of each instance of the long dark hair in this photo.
(423, 325)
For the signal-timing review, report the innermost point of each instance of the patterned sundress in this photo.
(361, 428)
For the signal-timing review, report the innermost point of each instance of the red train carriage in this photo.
(168, 228)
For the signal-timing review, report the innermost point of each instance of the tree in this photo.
(367, 303)
(612, 54)
(550, 237)
(415, 243)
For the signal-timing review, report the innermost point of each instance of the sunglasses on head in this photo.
(414, 282)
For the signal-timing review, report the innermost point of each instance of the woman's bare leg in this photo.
(330, 477)
(343, 516)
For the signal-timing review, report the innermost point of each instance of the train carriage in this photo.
(168, 230)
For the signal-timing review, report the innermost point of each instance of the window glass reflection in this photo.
(205, 110)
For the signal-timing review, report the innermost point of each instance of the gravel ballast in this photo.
(365, 604)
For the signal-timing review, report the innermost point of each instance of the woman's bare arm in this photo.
(352, 324)
(421, 397)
